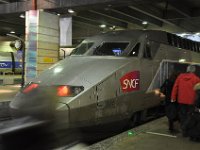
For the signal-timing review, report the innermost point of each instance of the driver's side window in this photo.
(135, 50)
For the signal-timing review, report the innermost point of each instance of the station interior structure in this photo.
(54, 28)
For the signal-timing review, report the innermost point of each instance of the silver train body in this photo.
(111, 77)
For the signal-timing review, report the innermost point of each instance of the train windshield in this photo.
(81, 49)
(111, 48)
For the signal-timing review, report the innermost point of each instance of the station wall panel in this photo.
(48, 46)
(47, 38)
(48, 20)
(48, 31)
(41, 66)
(49, 53)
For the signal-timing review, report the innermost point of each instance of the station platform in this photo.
(10, 79)
(7, 92)
(151, 136)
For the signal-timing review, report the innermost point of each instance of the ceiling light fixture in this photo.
(22, 16)
(144, 22)
(183, 34)
(181, 60)
(71, 11)
(58, 14)
(197, 33)
(102, 26)
(13, 32)
(112, 28)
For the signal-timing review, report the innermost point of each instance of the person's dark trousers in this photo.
(171, 125)
(184, 111)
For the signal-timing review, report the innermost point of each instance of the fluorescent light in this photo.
(183, 34)
(144, 22)
(13, 32)
(181, 60)
(197, 33)
(22, 16)
(71, 11)
(112, 28)
(102, 26)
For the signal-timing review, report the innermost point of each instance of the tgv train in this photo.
(9, 62)
(108, 77)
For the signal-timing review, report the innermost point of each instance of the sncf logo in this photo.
(130, 81)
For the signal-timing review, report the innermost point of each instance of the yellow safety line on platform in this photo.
(6, 91)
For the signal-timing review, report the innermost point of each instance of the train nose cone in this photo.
(39, 103)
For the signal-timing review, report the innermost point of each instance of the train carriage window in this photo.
(175, 41)
(135, 50)
(187, 43)
(184, 44)
(190, 44)
(193, 46)
(179, 42)
(169, 38)
(111, 48)
(81, 49)
(198, 47)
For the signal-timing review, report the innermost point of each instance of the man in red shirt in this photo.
(183, 92)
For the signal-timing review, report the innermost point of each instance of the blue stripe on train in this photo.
(8, 65)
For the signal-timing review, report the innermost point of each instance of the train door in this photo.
(147, 74)
(146, 65)
(105, 97)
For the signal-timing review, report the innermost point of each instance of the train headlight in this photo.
(66, 90)
(30, 87)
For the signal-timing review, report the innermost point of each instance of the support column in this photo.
(42, 42)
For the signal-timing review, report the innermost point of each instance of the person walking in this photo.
(183, 92)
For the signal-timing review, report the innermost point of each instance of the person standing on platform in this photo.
(183, 92)
(170, 108)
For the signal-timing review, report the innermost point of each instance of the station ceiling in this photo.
(168, 15)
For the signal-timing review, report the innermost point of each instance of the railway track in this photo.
(4, 111)
(35, 134)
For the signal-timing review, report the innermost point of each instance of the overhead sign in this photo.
(8, 64)
(5, 64)
(66, 31)
(130, 81)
